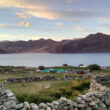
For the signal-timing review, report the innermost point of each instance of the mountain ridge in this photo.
(93, 43)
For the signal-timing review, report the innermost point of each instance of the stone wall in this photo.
(39, 78)
(97, 98)
(31, 79)
(103, 79)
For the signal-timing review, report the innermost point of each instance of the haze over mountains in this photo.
(93, 43)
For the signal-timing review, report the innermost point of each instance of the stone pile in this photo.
(103, 79)
(30, 79)
(97, 98)
(67, 77)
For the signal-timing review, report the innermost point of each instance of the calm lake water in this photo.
(47, 59)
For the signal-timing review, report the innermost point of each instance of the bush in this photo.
(34, 98)
(81, 65)
(80, 85)
(41, 67)
(65, 65)
(94, 67)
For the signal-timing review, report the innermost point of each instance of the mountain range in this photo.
(93, 43)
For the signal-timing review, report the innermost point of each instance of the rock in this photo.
(88, 108)
(48, 108)
(92, 103)
(9, 93)
(19, 106)
(55, 103)
(42, 105)
(65, 108)
(74, 104)
(63, 99)
(34, 106)
(26, 106)
(79, 100)
(81, 105)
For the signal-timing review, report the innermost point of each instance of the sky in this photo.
(53, 19)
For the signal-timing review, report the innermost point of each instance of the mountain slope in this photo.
(28, 46)
(92, 43)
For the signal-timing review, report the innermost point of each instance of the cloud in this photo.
(10, 36)
(14, 37)
(4, 26)
(41, 10)
(59, 24)
(78, 28)
(105, 26)
(20, 25)
(43, 14)
(103, 19)
(22, 15)
(7, 26)
(24, 24)
(69, 1)
(29, 8)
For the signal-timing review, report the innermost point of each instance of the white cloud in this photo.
(29, 8)
(8, 26)
(22, 15)
(41, 10)
(59, 24)
(103, 19)
(78, 28)
(14, 37)
(4, 26)
(69, 1)
(25, 24)
(107, 26)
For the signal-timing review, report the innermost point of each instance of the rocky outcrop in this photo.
(98, 98)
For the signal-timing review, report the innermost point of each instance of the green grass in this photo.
(44, 91)
(47, 91)
(68, 67)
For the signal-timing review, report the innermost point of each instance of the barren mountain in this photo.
(92, 43)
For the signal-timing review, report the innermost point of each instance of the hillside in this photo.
(93, 43)
(28, 46)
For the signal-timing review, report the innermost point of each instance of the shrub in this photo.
(94, 67)
(34, 98)
(75, 93)
(41, 67)
(80, 85)
(65, 65)
(81, 65)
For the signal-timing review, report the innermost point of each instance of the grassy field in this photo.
(43, 91)
(47, 91)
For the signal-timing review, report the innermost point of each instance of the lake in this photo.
(48, 59)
